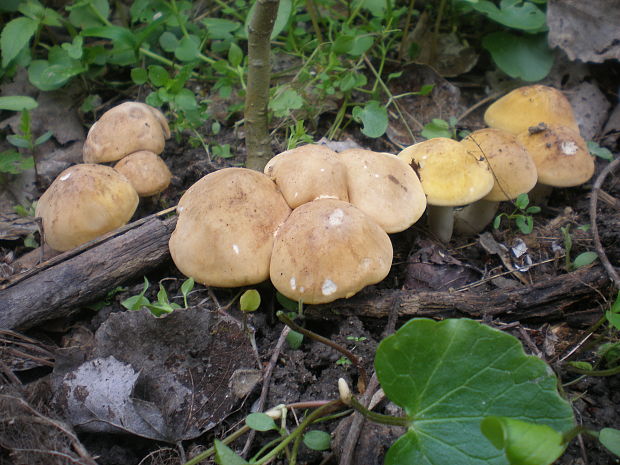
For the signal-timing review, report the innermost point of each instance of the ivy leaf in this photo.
(373, 117)
(15, 36)
(450, 375)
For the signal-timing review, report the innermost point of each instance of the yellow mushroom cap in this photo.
(328, 249)
(147, 172)
(528, 106)
(307, 173)
(512, 166)
(561, 156)
(85, 202)
(450, 175)
(124, 129)
(226, 227)
(384, 187)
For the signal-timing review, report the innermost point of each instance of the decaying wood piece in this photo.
(552, 298)
(56, 288)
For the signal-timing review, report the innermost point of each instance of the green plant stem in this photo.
(328, 342)
(378, 417)
(608, 372)
(314, 17)
(177, 15)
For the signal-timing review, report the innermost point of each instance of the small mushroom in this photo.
(384, 187)
(513, 169)
(450, 176)
(226, 227)
(85, 202)
(528, 106)
(328, 249)
(124, 129)
(146, 172)
(307, 173)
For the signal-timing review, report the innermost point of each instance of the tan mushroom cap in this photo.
(124, 129)
(511, 165)
(384, 187)
(147, 172)
(226, 227)
(85, 202)
(528, 106)
(450, 175)
(307, 173)
(560, 154)
(328, 249)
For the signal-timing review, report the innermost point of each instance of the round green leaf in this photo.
(18, 103)
(260, 422)
(139, 75)
(187, 50)
(524, 443)
(526, 57)
(610, 438)
(373, 117)
(168, 41)
(158, 75)
(249, 301)
(448, 376)
(317, 440)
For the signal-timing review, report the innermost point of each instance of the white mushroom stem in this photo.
(440, 222)
(476, 216)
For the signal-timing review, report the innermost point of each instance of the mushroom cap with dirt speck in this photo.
(307, 173)
(384, 187)
(561, 156)
(84, 202)
(147, 172)
(512, 166)
(226, 227)
(328, 249)
(449, 174)
(124, 129)
(528, 106)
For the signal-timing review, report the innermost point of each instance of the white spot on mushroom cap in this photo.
(235, 248)
(336, 218)
(569, 147)
(293, 283)
(64, 177)
(180, 209)
(328, 287)
(322, 170)
(324, 196)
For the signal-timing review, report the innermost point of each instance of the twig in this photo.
(597, 240)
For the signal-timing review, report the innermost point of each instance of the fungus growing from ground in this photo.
(226, 227)
(85, 202)
(327, 249)
(147, 172)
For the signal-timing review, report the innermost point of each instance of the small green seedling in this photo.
(583, 259)
(163, 305)
(294, 339)
(249, 301)
(440, 128)
(522, 215)
(599, 151)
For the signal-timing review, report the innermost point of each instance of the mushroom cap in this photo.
(85, 202)
(328, 249)
(384, 187)
(147, 172)
(307, 173)
(226, 227)
(124, 129)
(450, 175)
(511, 165)
(528, 106)
(561, 156)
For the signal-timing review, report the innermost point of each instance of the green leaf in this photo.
(139, 75)
(18, 103)
(525, 57)
(19, 141)
(343, 44)
(524, 223)
(285, 102)
(515, 14)
(220, 29)
(235, 55)
(601, 152)
(15, 36)
(46, 76)
(118, 35)
(168, 41)
(260, 422)
(158, 75)
(614, 319)
(82, 15)
(43, 138)
(187, 50)
(524, 443)
(284, 13)
(317, 440)
(294, 339)
(610, 438)
(522, 201)
(13, 162)
(74, 48)
(135, 302)
(373, 117)
(224, 455)
(360, 45)
(186, 288)
(249, 301)
(448, 376)
(437, 128)
(286, 303)
(584, 259)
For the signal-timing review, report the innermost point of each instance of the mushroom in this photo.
(384, 187)
(226, 227)
(84, 202)
(124, 129)
(328, 249)
(513, 169)
(146, 172)
(307, 173)
(450, 176)
(528, 106)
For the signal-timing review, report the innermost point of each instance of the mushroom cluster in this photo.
(316, 222)
(88, 200)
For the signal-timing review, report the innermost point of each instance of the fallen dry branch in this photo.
(552, 298)
(58, 287)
